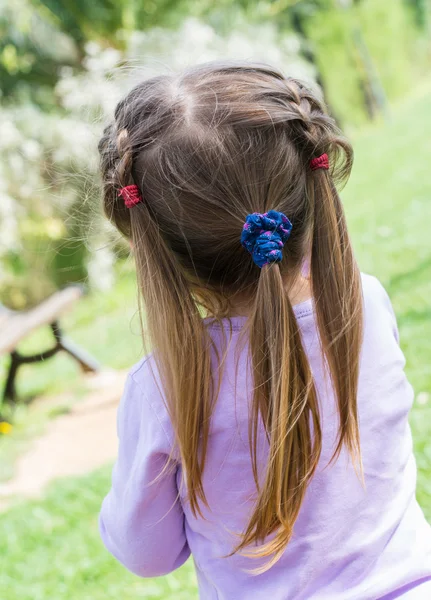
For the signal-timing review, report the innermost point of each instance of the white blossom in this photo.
(101, 269)
(48, 161)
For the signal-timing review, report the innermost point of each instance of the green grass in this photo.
(389, 210)
(388, 203)
(50, 549)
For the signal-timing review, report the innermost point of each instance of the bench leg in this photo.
(88, 363)
(9, 394)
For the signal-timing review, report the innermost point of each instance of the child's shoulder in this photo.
(372, 286)
(377, 304)
(143, 369)
(373, 291)
(145, 385)
(145, 376)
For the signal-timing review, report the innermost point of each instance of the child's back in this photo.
(350, 542)
(244, 441)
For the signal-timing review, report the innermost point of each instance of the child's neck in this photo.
(298, 292)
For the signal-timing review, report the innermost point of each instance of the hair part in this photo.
(206, 148)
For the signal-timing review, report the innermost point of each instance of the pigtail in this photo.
(337, 294)
(182, 353)
(335, 276)
(285, 399)
(170, 320)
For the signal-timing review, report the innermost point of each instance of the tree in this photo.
(29, 66)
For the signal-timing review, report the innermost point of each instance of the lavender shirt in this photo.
(349, 543)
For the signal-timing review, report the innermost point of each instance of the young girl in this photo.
(267, 432)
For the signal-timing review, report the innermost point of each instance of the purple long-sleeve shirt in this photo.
(349, 543)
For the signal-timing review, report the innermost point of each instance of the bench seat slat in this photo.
(15, 326)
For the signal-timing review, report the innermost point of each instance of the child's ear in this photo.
(131, 245)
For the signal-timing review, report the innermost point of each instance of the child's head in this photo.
(205, 149)
(209, 147)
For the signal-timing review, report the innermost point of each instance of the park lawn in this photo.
(50, 548)
(388, 203)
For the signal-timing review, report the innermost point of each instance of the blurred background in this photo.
(63, 66)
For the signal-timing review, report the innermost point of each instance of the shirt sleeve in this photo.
(141, 520)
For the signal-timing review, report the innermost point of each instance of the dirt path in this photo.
(72, 444)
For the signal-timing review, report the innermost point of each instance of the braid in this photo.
(116, 161)
(316, 132)
(125, 162)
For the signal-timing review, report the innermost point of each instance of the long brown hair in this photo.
(206, 148)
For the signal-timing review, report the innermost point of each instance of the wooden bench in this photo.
(17, 325)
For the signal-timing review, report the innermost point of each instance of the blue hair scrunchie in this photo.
(264, 235)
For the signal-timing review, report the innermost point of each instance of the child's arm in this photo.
(141, 520)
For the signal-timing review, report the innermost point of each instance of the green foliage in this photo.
(365, 52)
(40, 37)
(421, 11)
(43, 205)
(393, 53)
(104, 19)
(330, 35)
(28, 65)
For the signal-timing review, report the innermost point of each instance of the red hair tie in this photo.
(321, 162)
(131, 195)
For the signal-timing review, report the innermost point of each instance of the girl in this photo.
(267, 433)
